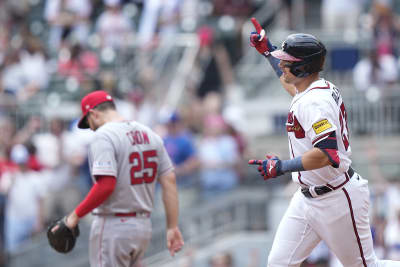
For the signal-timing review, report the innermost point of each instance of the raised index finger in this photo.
(255, 162)
(256, 25)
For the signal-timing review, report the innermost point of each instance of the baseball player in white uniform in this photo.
(332, 201)
(126, 160)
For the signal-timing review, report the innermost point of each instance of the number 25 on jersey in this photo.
(144, 169)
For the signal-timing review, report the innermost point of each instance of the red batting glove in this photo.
(269, 168)
(259, 40)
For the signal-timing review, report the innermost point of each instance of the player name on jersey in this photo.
(138, 137)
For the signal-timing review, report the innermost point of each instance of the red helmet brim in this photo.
(282, 55)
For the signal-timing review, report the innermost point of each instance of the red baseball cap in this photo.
(89, 102)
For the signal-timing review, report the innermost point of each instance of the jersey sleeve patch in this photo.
(321, 126)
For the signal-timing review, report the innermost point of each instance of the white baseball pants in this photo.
(340, 218)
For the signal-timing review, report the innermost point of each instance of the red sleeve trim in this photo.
(333, 157)
(319, 138)
(98, 194)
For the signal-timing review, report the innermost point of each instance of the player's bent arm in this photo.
(323, 154)
(259, 40)
(170, 198)
(315, 159)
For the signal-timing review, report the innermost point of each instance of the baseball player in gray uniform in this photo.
(126, 160)
(333, 200)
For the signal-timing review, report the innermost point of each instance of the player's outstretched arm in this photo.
(261, 43)
(259, 40)
(273, 167)
(171, 205)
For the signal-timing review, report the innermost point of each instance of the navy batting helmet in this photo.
(305, 51)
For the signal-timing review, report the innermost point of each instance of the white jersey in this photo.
(314, 114)
(136, 156)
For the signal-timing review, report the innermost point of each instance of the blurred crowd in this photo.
(43, 160)
(43, 156)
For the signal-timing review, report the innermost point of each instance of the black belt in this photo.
(323, 189)
(126, 214)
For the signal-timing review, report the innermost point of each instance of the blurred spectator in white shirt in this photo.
(159, 19)
(170, 18)
(373, 71)
(25, 72)
(148, 22)
(55, 147)
(116, 29)
(24, 208)
(218, 156)
(340, 15)
(392, 237)
(58, 149)
(33, 60)
(67, 17)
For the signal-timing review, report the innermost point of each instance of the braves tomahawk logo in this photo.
(293, 125)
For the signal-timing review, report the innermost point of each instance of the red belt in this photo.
(132, 214)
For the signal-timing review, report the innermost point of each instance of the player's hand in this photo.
(72, 220)
(269, 168)
(259, 40)
(174, 240)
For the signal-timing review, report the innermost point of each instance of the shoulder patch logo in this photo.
(321, 126)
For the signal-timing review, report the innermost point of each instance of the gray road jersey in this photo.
(136, 156)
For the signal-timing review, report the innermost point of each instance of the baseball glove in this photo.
(62, 239)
